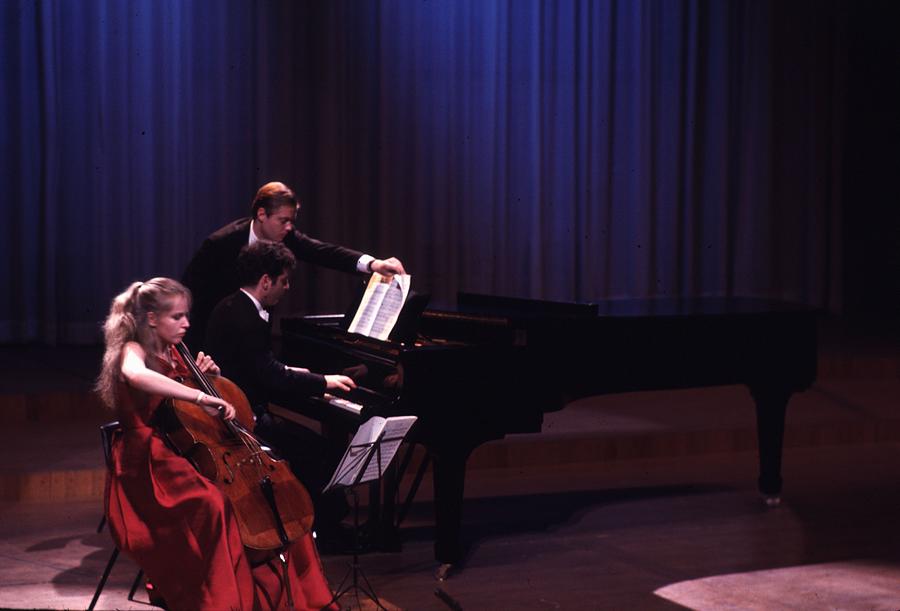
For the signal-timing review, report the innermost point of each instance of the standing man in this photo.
(239, 333)
(212, 273)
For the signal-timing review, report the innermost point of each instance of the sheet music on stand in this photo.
(371, 451)
(381, 305)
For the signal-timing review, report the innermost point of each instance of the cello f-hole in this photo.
(230, 477)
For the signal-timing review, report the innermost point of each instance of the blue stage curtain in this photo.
(559, 150)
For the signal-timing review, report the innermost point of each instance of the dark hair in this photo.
(263, 257)
(272, 196)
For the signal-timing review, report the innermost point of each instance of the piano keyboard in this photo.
(344, 404)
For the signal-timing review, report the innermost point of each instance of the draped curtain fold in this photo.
(571, 150)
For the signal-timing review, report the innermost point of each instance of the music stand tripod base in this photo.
(354, 579)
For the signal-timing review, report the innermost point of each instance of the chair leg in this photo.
(109, 566)
(134, 585)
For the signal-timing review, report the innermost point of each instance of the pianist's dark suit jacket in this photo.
(240, 343)
(212, 273)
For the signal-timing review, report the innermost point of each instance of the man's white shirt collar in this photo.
(252, 237)
(262, 313)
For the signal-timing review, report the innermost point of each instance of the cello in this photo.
(272, 507)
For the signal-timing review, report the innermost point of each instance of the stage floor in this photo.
(686, 532)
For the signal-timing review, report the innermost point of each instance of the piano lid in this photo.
(474, 303)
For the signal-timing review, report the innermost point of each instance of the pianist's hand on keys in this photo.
(339, 382)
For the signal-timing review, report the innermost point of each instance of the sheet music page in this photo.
(381, 305)
(395, 429)
(355, 456)
(368, 431)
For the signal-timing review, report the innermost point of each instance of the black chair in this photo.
(107, 432)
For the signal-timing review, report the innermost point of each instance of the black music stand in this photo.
(356, 467)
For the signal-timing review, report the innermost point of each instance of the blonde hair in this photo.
(127, 322)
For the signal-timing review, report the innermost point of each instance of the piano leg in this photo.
(449, 466)
(771, 404)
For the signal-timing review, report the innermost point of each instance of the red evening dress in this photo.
(181, 530)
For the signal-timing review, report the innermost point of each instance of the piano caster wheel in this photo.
(772, 500)
(443, 572)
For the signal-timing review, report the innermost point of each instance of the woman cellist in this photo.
(172, 521)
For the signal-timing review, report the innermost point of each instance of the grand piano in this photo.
(493, 366)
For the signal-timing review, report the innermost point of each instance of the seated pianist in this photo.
(239, 333)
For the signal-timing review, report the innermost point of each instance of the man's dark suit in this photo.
(241, 344)
(212, 273)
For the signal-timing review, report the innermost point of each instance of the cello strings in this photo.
(234, 427)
